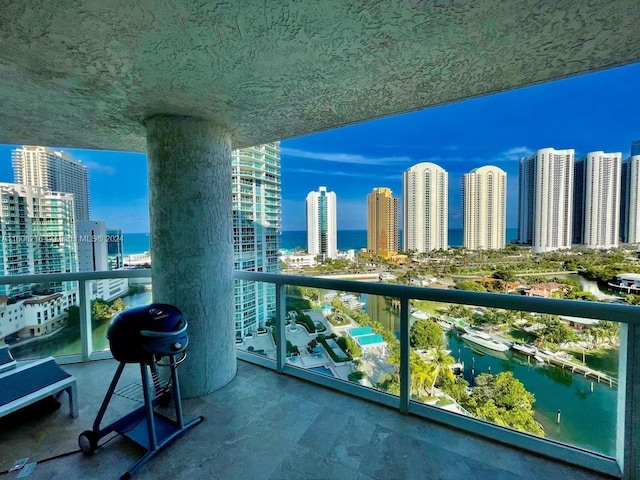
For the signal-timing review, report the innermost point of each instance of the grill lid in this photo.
(137, 334)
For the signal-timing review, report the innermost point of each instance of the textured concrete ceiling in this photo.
(87, 73)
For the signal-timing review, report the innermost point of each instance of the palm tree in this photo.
(441, 361)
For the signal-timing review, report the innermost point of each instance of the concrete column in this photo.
(191, 242)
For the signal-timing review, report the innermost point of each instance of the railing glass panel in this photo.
(336, 334)
(41, 319)
(110, 296)
(255, 318)
(551, 376)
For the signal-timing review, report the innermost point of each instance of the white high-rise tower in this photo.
(484, 208)
(255, 177)
(53, 170)
(322, 234)
(601, 225)
(425, 222)
(552, 200)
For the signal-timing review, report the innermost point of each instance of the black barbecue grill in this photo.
(145, 335)
(142, 333)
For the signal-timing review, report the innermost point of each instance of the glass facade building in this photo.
(256, 228)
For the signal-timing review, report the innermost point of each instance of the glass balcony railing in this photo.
(556, 377)
(66, 315)
(551, 376)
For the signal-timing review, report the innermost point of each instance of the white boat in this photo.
(539, 358)
(347, 297)
(489, 342)
(420, 315)
(444, 325)
(355, 304)
(525, 349)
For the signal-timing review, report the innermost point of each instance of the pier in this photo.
(577, 368)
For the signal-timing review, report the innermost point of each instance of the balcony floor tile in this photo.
(267, 426)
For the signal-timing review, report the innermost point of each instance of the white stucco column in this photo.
(191, 242)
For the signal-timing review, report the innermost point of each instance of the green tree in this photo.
(118, 305)
(441, 362)
(100, 310)
(632, 299)
(458, 311)
(390, 384)
(581, 295)
(426, 334)
(556, 332)
(350, 346)
(504, 275)
(469, 285)
(456, 388)
(503, 400)
(73, 315)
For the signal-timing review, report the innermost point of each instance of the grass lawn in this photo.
(432, 308)
(516, 335)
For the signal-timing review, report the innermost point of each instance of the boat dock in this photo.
(577, 368)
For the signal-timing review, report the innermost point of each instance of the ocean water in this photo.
(357, 239)
(297, 239)
(135, 243)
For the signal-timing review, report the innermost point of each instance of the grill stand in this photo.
(156, 431)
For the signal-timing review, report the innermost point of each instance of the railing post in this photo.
(86, 339)
(405, 371)
(628, 437)
(281, 325)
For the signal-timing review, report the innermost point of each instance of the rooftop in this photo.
(264, 425)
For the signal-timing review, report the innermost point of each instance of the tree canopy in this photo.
(426, 334)
(503, 400)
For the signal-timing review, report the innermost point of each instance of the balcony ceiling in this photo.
(86, 74)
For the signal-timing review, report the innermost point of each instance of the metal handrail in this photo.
(629, 314)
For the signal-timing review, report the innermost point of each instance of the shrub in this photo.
(291, 348)
(356, 376)
(350, 346)
(332, 354)
(305, 320)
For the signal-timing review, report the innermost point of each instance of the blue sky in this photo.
(599, 111)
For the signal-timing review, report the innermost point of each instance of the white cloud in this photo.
(513, 154)
(335, 173)
(100, 168)
(344, 157)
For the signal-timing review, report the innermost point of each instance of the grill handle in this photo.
(152, 334)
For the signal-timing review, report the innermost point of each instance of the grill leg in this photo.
(148, 404)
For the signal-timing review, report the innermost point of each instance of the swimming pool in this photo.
(323, 371)
(370, 339)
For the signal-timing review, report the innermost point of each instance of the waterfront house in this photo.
(545, 289)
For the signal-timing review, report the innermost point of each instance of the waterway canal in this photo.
(67, 341)
(587, 418)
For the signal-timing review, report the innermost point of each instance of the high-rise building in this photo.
(256, 228)
(526, 187)
(382, 222)
(635, 148)
(55, 171)
(484, 192)
(601, 210)
(115, 248)
(630, 208)
(551, 197)
(322, 234)
(425, 214)
(92, 246)
(38, 235)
